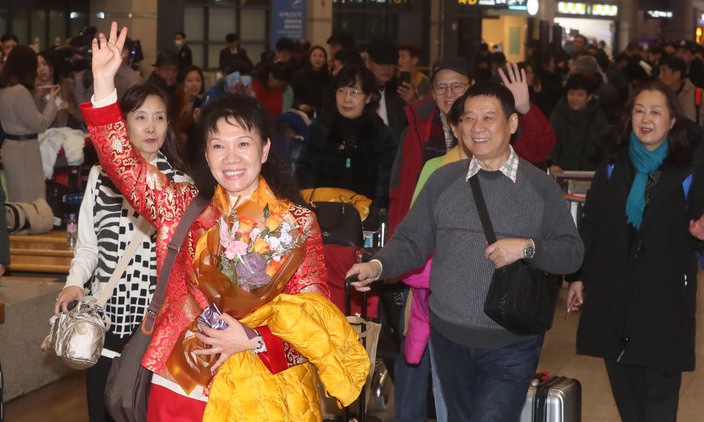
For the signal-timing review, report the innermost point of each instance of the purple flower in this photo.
(251, 271)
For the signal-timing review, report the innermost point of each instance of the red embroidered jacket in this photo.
(162, 203)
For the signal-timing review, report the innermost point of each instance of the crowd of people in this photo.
(367, 119)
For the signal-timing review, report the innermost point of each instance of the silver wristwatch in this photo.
(529, 249)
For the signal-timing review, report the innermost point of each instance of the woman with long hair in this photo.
(310, 82)
(638, 284)
(22, 121)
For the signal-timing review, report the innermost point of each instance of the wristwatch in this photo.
(529, 249)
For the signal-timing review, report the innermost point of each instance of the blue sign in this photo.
(288, 19)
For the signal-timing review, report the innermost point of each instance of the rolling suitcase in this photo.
(553, 399)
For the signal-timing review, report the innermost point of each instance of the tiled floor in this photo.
(65, 400)
(559, 358)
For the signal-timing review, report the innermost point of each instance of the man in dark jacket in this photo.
(165, 72)
(382, 62)
(185, 56)
(233, 52)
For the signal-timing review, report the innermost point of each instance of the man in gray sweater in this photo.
(483, 368)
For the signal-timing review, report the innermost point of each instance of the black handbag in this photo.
(339, 222)
(128, 383)
(521, 298)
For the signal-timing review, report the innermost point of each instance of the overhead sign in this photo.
(659, 14)
(288, 19)
(499, 4)
(587, 9)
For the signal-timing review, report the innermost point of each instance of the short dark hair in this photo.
(285, 44)
(348, 56)
(342, 38)
(581, 81)
(486, 88)
(181, 33)
(246, 112)
(675, 64)
(8, 37)
(413, 49)
(231, 37)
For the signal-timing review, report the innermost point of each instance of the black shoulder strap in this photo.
(189, 216)
(481, 208)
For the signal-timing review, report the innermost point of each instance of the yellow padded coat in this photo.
(244, 390)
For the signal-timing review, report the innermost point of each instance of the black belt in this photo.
(21, 137)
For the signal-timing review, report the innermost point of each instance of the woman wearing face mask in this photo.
(236, 170)
(106, 225)
(638, 283)
(348, 145)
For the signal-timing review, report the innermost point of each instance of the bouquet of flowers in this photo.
(249, 255)
(246, 260)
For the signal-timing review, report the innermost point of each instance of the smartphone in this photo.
(404, 77)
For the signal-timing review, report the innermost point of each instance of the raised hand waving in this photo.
(107, 58)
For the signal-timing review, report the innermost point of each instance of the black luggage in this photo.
(553, 399)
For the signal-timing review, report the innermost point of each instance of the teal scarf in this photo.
(645, 163)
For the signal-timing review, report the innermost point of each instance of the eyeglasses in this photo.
(456, 88)
(349, 92)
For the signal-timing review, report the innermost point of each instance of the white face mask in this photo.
(178, 43)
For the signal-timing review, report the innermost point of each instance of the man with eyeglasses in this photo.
(429, 135)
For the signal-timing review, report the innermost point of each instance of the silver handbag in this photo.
(77, 337)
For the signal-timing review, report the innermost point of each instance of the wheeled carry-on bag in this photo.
(555, 399)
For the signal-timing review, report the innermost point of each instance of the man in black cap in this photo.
(165, 72)
(382, 61)
(686, 50)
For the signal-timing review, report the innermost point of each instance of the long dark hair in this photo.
(20, 68)
(324, 68)
(680, 149)
(246, 112)
(53, 62)
(134, 97)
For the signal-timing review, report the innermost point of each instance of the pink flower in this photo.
(225, 238)
(235, 248)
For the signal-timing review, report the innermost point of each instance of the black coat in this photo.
(640, 286)
(355, 155)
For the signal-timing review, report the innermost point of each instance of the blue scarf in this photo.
(645, 163)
